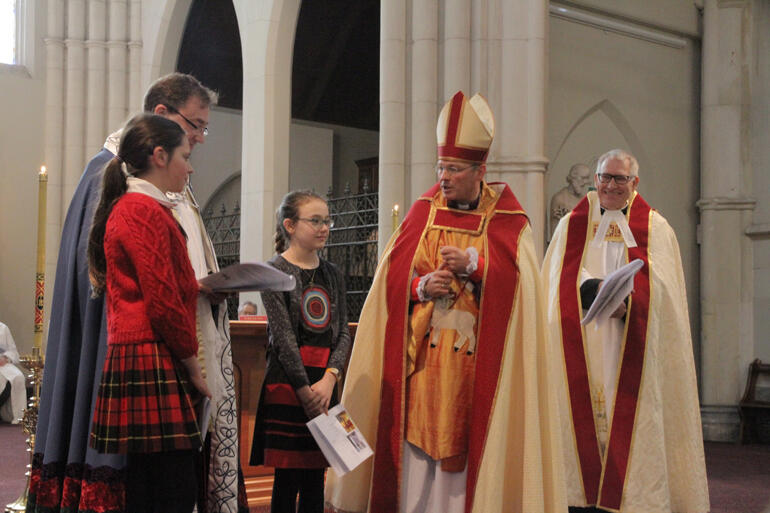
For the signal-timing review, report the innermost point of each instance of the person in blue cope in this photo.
(631, 430)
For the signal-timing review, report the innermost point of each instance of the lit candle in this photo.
(40, 271)
(394, 215)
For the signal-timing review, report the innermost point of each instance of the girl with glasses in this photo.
(309, 346)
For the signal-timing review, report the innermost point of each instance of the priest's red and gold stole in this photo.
(603, 481)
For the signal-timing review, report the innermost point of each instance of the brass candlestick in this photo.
(33, 362)
(394, 217)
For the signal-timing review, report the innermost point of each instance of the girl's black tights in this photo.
(289, 482)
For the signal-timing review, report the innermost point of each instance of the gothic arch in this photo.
(223, 192)
(616, 117)
(169, 36)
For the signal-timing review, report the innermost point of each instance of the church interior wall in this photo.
(22, 103)
(644, 96)
(321, 156)
(670, 15)
(350, 144)
(220, 156)
(311, 157)
(760, 163)
(609, 90)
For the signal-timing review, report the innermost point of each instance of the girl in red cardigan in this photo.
(137, 253)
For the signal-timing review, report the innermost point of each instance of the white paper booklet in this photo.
(615, 288)
(340, 440)
(248, 276)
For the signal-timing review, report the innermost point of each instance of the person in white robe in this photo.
(14, 399)
(631, 428)
(215, 356)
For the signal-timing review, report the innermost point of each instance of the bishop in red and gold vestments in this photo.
(631, 430)
(450, 376)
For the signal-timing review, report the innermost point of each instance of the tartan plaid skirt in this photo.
(143, 404)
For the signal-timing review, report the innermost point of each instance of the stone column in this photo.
(517, 95)
(424, 52)
(84, 74)
(493, 48)
(267, 34)
(96, 77)
(479, 39)
(75, 96)
(135, 91)
(457, 49)
(393, 125)
(117, 64)
(726, 213)
(54, 129)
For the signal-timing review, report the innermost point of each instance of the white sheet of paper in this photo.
(249, 276)
(615, 288)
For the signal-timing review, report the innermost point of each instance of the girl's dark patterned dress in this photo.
(308, 332)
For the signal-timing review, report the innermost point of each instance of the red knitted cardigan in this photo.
(151, 286)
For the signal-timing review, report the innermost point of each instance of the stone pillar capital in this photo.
(723, 203)
(731, 4)
(536, 164)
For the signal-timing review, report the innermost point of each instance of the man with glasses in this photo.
(449, 376)
(67, 474)
(631, 430)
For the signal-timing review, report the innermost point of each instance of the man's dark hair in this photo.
(175, 89)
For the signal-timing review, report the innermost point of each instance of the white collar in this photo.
(144, 187)
(185, 196)
(113, 142)
(609, 217)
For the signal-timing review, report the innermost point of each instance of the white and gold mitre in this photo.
(465, 129)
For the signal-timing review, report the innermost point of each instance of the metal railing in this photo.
(225, 233)
(352, 243)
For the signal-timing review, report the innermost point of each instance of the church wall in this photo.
(609, 90)
(311, 157)
(670, 15)
(652, 90)
(350, 144)
(35, 117)
(22, 103)
(321, 155)
(760, 163)
(220, 156)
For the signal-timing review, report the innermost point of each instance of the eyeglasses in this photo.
(319, 222)
(202, 129)
(619, 179)
(451, 169)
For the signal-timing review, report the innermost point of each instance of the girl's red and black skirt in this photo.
(143, 404)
